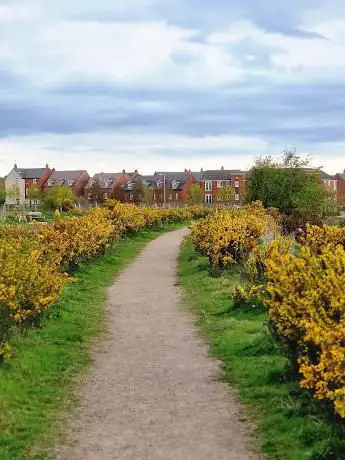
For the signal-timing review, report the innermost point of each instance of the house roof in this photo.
(31, 173)
(197, 175)
(220, 174)
(66, 176)
(326, 176)
(170, 177)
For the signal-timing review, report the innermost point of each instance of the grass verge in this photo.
(36, 386)
(290, 423)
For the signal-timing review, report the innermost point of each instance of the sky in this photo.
(153, 85)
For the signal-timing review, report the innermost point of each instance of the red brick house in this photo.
(103, 186)
(19, 181)
(212, 181)
(76, 180)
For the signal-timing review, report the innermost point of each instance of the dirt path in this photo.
(152, 392)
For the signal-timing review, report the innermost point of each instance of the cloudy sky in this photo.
(168, 84)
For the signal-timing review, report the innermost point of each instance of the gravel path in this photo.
(153, 392)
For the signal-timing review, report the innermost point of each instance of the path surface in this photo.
(153, 392)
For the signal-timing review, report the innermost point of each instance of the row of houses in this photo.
(169, 187)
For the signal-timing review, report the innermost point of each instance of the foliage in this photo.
(2, 193)
(229, 236)
(290, 424)
(290, 186)
(195, 194)
(147, 196)
(58, 197)
(34, 192)
(33, 259)
(226, 195)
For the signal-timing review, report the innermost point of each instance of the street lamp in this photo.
(164, 191)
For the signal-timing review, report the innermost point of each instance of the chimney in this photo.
(222, 168)
(136, 171)
(123, 171)
(185, 170)
(47, 166)
(15, 166)
(202, 170)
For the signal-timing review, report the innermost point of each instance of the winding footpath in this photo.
(153, 393)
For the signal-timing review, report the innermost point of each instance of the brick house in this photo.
(19, 181)
(177, 186)
(212, 181)
(76, 180)
(110, 185)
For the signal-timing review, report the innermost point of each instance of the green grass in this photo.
(37, 386)
(291, 425)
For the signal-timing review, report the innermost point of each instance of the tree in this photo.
(226, 195)
(34, 193)
(96, 194)
(195, 194)
(138, 191)
(118, 193)
(2, 193)
(290, 185)
(13, 193)
(148, 196)
(59, 197)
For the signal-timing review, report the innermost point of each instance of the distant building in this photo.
(19, 181)
(76, 180)
(212, 181)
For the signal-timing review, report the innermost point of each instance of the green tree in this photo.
(195, 194)
(96, 194)
(290, 185)
(147, 197)
(59, 197)
(2, 193)
(226, 195)
(34, 193)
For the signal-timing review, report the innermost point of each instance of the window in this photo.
(131, 197)
(208, 199)
(208, 186)
(34, 181)
(176, 196)
(237, 183)
(219, 183)
(89, 196)
(174, 184)
(160, 184)
(228, 183)
(154, 197)
(130, 185)
(237, 197)
(170, 196)
(70, 182)
(105, 196)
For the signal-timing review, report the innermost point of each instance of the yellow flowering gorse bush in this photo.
(229, 236)
(34, 259)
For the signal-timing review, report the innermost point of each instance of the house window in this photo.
(89, 196)
(105, 195)
(130, 185)
(170, 196)
(34, 181)
(174, 184)
(208, 199)
(176, 196)
(237, 197)
(237, 183)
(131, 196)
(228, 183)
(219, 183)
(154, 197)
(208, 186)
(70, 183)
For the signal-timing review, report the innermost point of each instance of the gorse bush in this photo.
(301, 282)
(34, 259)
(229, 236)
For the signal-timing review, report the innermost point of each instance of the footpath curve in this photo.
(152, 392)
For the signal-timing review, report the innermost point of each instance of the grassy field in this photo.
(290, 424)
(37, 386)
